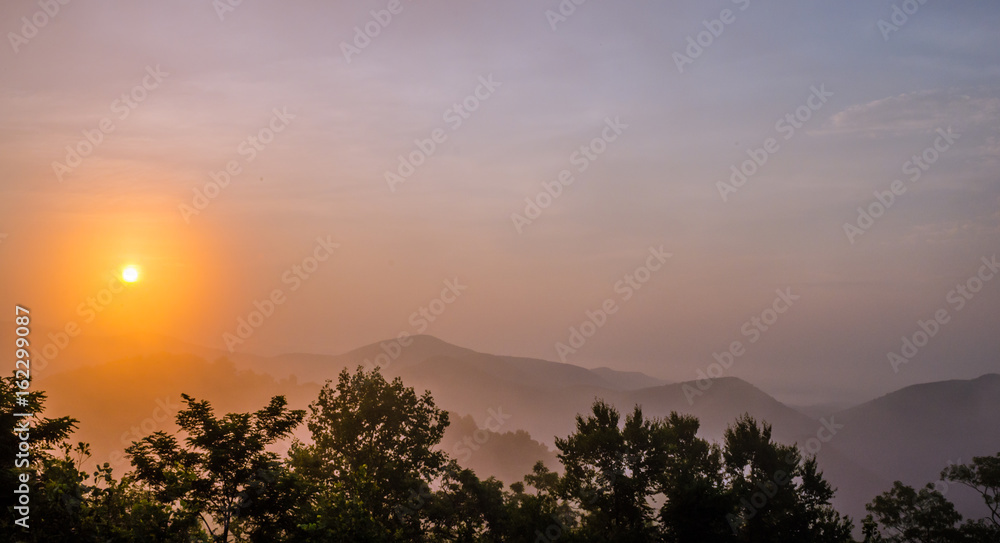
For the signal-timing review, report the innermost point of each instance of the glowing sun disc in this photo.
(130, 274)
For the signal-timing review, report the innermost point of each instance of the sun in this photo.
(130, 274)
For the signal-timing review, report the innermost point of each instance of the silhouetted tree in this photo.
(104, 510)
(375, 442)
(42, 435)
(539, 515)
(983, 476)
(66, 503)
(696, 500)
(905, 515)
(223, 474)
(612, 471)
(330, 514)
(466, 509)
(782, 497)
(374, 473)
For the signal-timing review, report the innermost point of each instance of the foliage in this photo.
(66, 503)
(904, 515)
(910, 516)
(782, 496)
(983, 476)
(374, 442)
(223, 474)
(373, 472)
(611, 471)
(696, 497)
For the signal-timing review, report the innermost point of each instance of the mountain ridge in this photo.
(909, 434)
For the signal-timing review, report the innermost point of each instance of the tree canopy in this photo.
(373, 471)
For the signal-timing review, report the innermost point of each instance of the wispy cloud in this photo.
(918, 112)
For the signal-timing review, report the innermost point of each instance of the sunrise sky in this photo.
(672, 119)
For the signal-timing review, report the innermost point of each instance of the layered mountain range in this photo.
(507, 411)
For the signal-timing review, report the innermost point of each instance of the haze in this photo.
(670, 132)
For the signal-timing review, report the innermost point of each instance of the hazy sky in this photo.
(669, 129)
